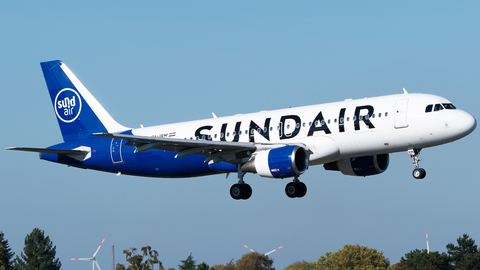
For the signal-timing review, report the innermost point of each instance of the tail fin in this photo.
(78, 112)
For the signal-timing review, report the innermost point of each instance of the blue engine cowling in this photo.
(360, 166)
(280, 162)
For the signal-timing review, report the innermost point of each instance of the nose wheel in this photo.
(418, 173)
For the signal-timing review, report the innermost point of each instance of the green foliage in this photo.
(145, 261)
(228, 266)
(203, 266)
(303, 265)
(465, 255)
(188, 264)
(354, 257)
(38, 253)
(5, 254)
(254, 261)
(417, 259)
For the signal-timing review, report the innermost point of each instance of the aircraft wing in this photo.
(215, 151)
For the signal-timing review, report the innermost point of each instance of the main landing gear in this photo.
(241, 190)
(296, 189)
(418, 173)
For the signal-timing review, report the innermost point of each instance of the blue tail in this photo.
(78, 113)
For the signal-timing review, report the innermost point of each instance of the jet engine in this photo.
(280, 162)
(360, 166)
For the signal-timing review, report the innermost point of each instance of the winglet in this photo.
(405, 91)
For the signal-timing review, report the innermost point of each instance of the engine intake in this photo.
(280, 162)
(360, 166)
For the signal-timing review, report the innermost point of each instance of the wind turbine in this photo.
(428, 248)
(94, 261)
(266, 254)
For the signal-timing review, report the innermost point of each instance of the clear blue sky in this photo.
(159, 62)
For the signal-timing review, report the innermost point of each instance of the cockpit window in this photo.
(438, 107)
(429, 108)
(449, 106)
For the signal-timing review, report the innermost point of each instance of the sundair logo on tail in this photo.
(68, 105)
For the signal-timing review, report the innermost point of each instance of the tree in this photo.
(5, 254)
(203, 266)
(465, 255)
(254, 261)
(303, 265)
(38, 253)
(417, 259)
(228, 266)
(145, 261)
(354, 257)
(188, 264)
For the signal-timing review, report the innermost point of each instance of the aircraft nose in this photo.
(467, 123)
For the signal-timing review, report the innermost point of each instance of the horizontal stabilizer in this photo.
(50, 151)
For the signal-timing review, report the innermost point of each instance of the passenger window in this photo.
(335, 120)
(449, 106)
(438, 107)
(329, 121)
(373, 115)
(379, 114)
(386, 114)
(429, 108)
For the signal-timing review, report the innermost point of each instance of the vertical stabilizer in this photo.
(77, 111)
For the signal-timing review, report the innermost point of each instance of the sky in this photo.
(160, 62)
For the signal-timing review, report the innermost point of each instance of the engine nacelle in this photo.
(360, 166)
(280, 162)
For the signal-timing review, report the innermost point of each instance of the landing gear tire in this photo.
(291, 190)
(237, 191)
(303, 189)
(241, 191)
(248, 192)
(419, 173)
(296, 189)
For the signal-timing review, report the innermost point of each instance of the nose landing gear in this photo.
(418, 173)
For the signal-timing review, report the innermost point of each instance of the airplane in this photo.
(354, 137)
(266, 254)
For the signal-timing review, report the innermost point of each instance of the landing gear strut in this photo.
(296, 189)
(241, 190)
(418, 173)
